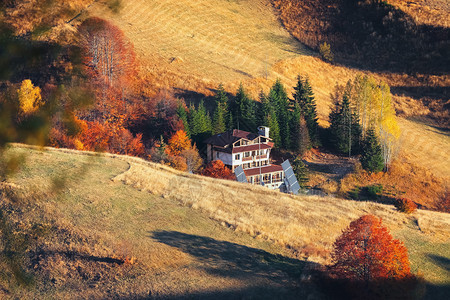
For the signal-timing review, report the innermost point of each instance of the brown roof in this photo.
(229, 137)
(251, 148)
(263, 170)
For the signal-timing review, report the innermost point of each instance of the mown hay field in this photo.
(205, 41)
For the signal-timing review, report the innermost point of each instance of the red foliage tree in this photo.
(95, 136)
(366, 252)
(217, 169)
(107, 52)
(110, 61)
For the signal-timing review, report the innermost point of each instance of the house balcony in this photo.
(255, 158)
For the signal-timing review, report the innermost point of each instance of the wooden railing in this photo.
(257, 157)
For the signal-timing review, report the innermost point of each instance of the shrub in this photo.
(405, 205)
(325, 52)
(373, 191)
(354, 194)
(217, 169)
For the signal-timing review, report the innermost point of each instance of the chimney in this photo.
(264, 131)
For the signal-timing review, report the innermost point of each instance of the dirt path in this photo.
(332, 166)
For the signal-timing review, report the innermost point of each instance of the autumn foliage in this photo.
(217, 169)
(367, 256)
(29, 97)
(96, 136)
(107, 53)
(179, 153)
(178, 143)
(405, 205)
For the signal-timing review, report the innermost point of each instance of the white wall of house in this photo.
(226, 158)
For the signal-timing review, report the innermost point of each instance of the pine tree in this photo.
(371, 154)
(345, 129)
(183, 116)
(304, 96)
(221, 112)
(301, 172)
(262, 108)
(271, 121)
(243, 111)
(300, 141)
(200, 123)
(280, 101)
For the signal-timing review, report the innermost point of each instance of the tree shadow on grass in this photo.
(442, 262)
(280, 274)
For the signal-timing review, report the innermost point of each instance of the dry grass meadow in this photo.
(432, 12)
(105, 239)
(183, 234)
(192, 46)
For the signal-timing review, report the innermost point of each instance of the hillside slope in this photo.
(192, 46)
(123, 227)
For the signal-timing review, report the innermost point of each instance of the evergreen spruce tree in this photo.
(200, 123)
(263, 109)
(304, 96)
(301, 172)
(183, 116)
(345, 130)
(271, 121)
(371, 155)
(221, 111)
(300, 141)
(280, 101)
(243, 111)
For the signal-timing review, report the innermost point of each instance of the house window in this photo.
(276, 177)
(246, 154)
(237, 156)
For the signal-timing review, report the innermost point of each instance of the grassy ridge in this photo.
(189, 235)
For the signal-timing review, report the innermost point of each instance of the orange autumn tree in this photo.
(217, 169)
(178, 143)
(367, 253)
(181, 154)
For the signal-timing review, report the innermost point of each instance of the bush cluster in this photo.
(405, 205)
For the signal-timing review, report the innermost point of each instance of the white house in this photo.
(249, 150)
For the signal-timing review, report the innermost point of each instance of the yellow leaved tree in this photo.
(29, 97)
(373, 103)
